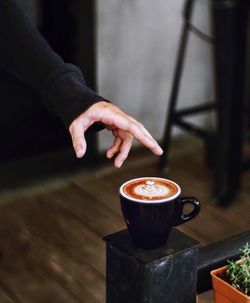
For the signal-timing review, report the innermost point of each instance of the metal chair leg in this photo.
(176, 83)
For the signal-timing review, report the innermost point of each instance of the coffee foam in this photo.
(150, 189)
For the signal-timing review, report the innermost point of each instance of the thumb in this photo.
(78, 139)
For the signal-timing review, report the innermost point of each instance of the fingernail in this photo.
(79, 151)
(109, 156)
(160, 150)
(119, 164)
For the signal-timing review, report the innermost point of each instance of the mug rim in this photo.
(153, 200)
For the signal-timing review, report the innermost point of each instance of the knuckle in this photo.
(105, 104)
(102, 105)
(132, 124)
(140, 124)
(133, 121)
(129, 136)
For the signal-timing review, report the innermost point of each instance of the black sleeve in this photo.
(26, 55)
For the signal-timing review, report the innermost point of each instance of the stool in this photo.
(174, 116)
(224, 146)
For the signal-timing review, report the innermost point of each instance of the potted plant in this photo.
(231, 283)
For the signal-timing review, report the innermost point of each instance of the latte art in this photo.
(150, 189)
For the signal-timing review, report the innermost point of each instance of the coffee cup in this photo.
(151, 206)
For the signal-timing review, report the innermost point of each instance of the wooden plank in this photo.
(45, 245)
(104, 189)
(21, 273)
(88, 209)
(6, 296)
(236, 215)
(71, 234)
(51, 239)
(207, 297)
(50, 223)
(72, 272)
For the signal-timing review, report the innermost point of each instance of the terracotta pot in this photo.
(224, 292)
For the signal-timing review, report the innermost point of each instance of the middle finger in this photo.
(124, 151)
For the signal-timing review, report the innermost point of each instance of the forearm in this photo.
(26, 55)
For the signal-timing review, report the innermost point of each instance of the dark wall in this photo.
(26, 127)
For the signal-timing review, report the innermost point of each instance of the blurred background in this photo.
(130, 61)
(56, 208)
(137, 48)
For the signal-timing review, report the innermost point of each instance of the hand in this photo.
(123, 127)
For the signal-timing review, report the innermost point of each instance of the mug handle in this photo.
(182, 218)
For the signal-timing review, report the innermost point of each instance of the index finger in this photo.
(139, 132)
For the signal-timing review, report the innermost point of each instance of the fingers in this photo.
(139, 132)
(78, 140)
(121, 147)
(118, 119)
(114, 148)
(114, 119)
(124, 151)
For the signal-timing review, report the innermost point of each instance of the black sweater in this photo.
(27, 56)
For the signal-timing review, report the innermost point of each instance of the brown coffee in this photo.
(150, 189)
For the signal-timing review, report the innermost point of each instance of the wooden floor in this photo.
(51, 247)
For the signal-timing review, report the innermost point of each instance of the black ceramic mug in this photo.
(151, 206)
